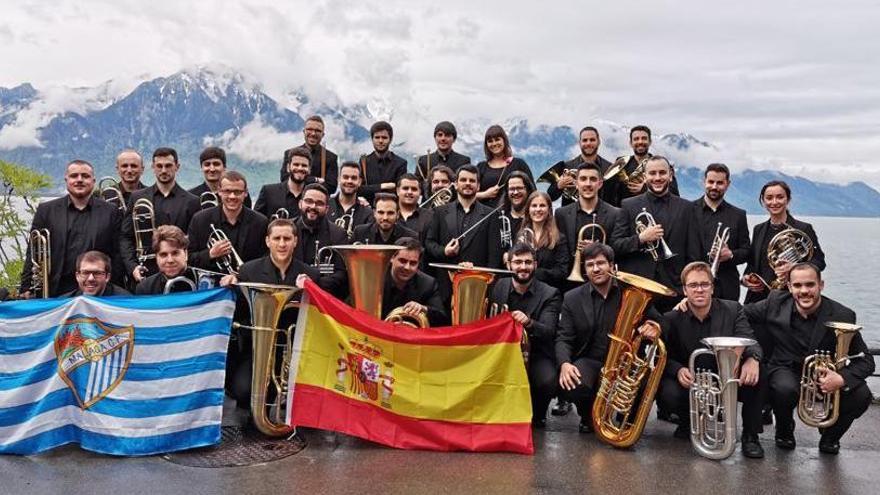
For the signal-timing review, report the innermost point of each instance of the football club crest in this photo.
(92, 357)
(368, 377)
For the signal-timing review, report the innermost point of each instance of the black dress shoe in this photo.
(682, 432)
(751, 447)
(561, 408)
(828, 446)
(785, 442)
(585, 426)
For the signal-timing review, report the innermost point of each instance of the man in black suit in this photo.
(535, 306)
(93, 277)
(213, 163)
(384, 229)
(129, 168)
(77, 222)
(709, 211)
(794, 324)
(171, 247)
(315, 232)
(244, 228)
(346, 204)
(409, 190)
(381, 168)
(411, 289)
(172, 205)
(444, 137)
(589, 142)
(588, 316)
(282, 200)
(617, 191)
(323, 162)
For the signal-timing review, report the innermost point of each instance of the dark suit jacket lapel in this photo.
(571, 224)
(760, 234)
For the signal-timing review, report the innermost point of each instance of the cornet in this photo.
(230, 262)
(440, 197)
(41, 262)
(208, 199)
(111, 190)
(658, 249)
(576, 274)
(143, 218)
(718, 242)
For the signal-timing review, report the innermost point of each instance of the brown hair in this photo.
(234, 176)
(170, 234)
(282, 222)
(93, 257)
(496, 131)
(547, 241)
(695, 266)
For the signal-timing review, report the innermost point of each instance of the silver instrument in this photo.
(280, 213)
(346, 223)
(658, 249)
(171, 283)
(322, 263)
(111, 191)
(477, 224)
(230, 262)
(143, 218)
(505, 232)
(718, 242)
(440, 197)
(208, 199)
(41, 262)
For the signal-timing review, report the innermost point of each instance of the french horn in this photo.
(552, 176)
(792, 246)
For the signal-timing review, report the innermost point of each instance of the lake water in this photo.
(852, 252)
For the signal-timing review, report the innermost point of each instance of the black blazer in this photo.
(423, 289)
(553, 264)
(542, 308)
(727, 282)
(275, 196)
(323, 163)
(102, 234)
(369, 234)
(203, 187)
(251, 242)
(613, 220)
(760, 232)
(476, 247)
(375, 173)
(574, 163)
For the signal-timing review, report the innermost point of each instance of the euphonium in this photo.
(617, 418)
(816, 408)
(439, 198)
(658, 249)
(398, 316)
(713, 397)
(577, 274)
(111, 191)
(41, 262)
(791, 245)
(143, 218)
(552, 176)
(718, 242)
(346, 223)
(367, 266)
(266, 302)
(208, 199)
(230, 262)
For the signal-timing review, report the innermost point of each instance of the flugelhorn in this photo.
(816, 408)
(718, 243)
(208, 199)
(792, 246)
(619, 411)
(41, 261)
(577, 273)
(552, 176)
(658, 249)
(111, 191)
(230, 262)
(713, 397)
(143, 218)
(440, 197)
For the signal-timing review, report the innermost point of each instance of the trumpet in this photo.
(816, 408)
(346, 223)
(208, 199)
(111, 191)
(658, 249)
(323, 264)
(576, 274)
(230, 262)
(440, 197)
(143, 218)
(718, 242)
(41, 262)
(280, 213)
(505, 231)
(792, 246)
(551, 176)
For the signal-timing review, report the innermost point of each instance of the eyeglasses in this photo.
(91, 273)
(312, 202)
(699, 285)
(515, 188)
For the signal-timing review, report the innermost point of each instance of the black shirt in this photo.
(377, 170)
(312, 239)
(360, 215)
(109, 290)
(247, 235)
(275, 196)
(605, 311)
(155, 283)
(77, 242)
(706, 219)
(369, 234)
(418, 221)
(426, 163)
(498, 176)
(323, 164)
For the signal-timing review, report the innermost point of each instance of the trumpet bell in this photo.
(367, 265)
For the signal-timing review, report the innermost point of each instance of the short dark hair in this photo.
(446, 127)
(351, 164)
(410, 244)
(595, 249)
(299, 151)
(170, 234)
(384, 196)
(314, 186)
(165, 152)
(772, 183)
(637, 128)
(409, 176)
(234, 176)
(807, 265)
(212, 152)
(496, 131)
(381, 126)
(315, 118)
(719, 168)
(92, 257)
(80, 162)
(443, 169)
(590, 166)
(588, 128)
(282, 222)
(521, 248)
(471, 169)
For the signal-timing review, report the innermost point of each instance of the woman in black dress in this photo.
(539, 228)
(496, 168)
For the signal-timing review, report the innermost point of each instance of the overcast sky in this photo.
(791, 85)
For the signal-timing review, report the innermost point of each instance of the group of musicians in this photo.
(625, 213)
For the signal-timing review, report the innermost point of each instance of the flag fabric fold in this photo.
(118, 375)
(450, 388)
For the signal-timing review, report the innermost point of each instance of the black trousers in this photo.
(673, 397)
(783, 387)
(543, 382)
(583, 395)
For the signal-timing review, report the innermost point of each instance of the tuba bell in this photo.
(816, 408)
(713, 397)
(469, 287)
(399, 317)
(658, 249)
(367, 265)
(577, 273)
(792, 246)
(41, 261)
(111, 191)
(617, 417)
(552, 176)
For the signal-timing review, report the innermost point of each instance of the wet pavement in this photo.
(565, 462)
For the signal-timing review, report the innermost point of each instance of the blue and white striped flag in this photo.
(119, 375)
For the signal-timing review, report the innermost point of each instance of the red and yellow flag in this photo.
(451, 388)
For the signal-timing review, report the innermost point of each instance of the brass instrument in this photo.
(526, 236)
(626, 371)
(469, 287)
(324, 264)
(282, 213)
(816, 408)
(346, 223)
(792, 246)
(658, 249)
(618, 169)
(713, 397)
(397, 316)
(367, 266)
(172, 282)
(577, 272)
(440, 197)
(41, 261)
(205, 279)
(230, 262)
(505, 232)
(111, 191)
(266, 302)
(524, 344)
(208, 199)
(718, 242)
(143, 219)
(551, 176)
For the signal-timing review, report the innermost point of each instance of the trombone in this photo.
(576, 274)
(718, 242)
(41, 261)
(230, 262)
(111, 191)
(208, 199)
(439, 198)
(143, 219)
(658, 249)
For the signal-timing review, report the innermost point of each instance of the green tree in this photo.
(20, 191)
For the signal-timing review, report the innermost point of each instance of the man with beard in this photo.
(172, 205)
(129, 168)
(704, 316)
(441, 177)
(346, 204)
(712, 210)
(323, 161)
(76, 222)
(794, 322)
(673, 217)
(382, 168)
(617, 191)
(444, 137)
(408, 288)
(93, 277)
(384, 229)
(409, 190)
(589, 143)
(282, 200)
(213, 163)
(534, 305)
(171, 247)
(513, 208)
(588, 316)
(244, 228)
(315, 232)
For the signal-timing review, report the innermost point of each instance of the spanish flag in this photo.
(451, 388)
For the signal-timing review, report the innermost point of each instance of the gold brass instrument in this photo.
(505, 232)
(816, 408)
(397, 316)
(172, 282)
(111, 191)
(618, 169)
(526, 236)
(718, 243)
(208, 199)
(469, 287)
(143, 218)
(324, 264)
(658, 249)
(617, 418)
(367, 266)
(346, 223)
(524, 344)
(440, 197)
(552, 176)
(41, 262)
(282, 213)
(577, 272)
(713, 397)
(230, 262)
(791, 245)
(266, 302)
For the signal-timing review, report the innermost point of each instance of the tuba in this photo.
(816, 408)
(143, 218)
(658, 250)
(230, 262)
(439, 198)
(791, 245)
(366, 265)
(713, 397)
(617, 417)
(718, 242)
(111, 191)
(551, 176)
(266, 302)
(469, 287)
(577, 273)
(208, 199)
(41, 261)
